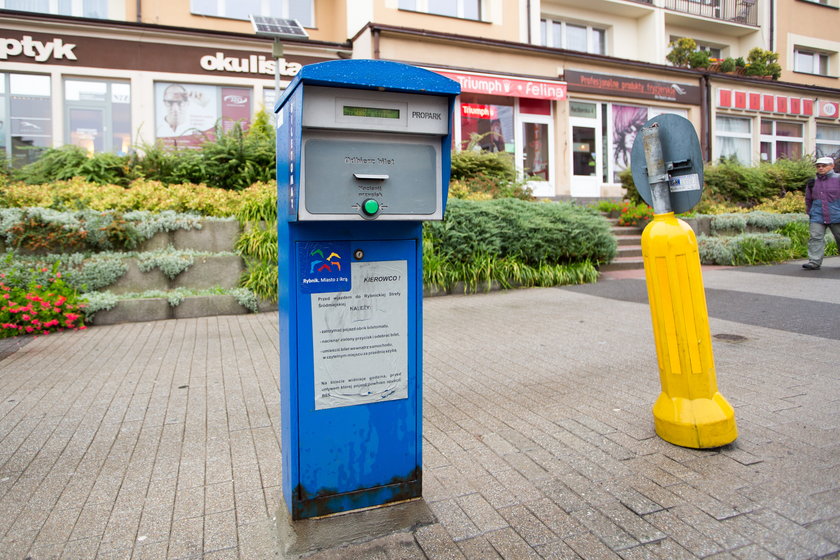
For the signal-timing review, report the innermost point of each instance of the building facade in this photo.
(561, 85)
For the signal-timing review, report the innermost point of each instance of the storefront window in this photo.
(535, 150)
(780, 139)
(627, 121)
(733, 139)
(98, 115)
(487, 123)
(187, 114)
(828, 140)
(25, 116)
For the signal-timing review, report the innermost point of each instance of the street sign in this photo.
(683, 162)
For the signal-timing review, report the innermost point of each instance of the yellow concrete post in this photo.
(690, 411)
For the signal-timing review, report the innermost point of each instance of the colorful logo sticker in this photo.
(324, 266)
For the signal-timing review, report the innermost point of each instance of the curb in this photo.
(158, 309)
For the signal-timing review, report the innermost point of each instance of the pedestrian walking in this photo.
(822, 203)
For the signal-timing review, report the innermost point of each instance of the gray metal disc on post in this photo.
(683, 159)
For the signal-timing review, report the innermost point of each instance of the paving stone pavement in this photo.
(161, 439)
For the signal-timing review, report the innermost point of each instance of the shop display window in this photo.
(781, 140)
(487, 123)
(733, 139)
(98, 115)
(535, 150)
(828, 140)
(187, 114)
(25, 116)
(627, 121)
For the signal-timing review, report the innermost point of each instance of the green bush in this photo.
(43, 230)
(36, 300)
(744, 249)
(66, 162)
(729, 183)
(485, 175)
(532, 233)
(235, 160)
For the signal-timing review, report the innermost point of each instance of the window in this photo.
(810, 62)
(78, 8)
(25, 116)
(575, 37)
(715, 51)
(464, 9)
(487, 123)
(301, 10)
(828, 140)
(733, 139)
(780, 139)
(187, 114)
(98, 115)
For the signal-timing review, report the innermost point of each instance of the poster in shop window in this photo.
(186, 113)
(627, 122)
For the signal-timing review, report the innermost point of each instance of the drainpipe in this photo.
(772, 24)
(376, 44)
(528, 19)
(706, 118)
(139, 11)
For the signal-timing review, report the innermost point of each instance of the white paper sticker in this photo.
(685, 183)
(360, 338)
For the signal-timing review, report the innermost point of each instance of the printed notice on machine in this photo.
(360, 338)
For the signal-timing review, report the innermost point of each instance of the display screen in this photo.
(372, 112)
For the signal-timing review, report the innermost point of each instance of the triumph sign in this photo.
(508, 86)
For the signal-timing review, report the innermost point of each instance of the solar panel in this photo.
(278, 27)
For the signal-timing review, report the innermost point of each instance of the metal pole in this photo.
(660, 189)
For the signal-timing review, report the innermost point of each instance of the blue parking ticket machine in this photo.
(363, 157)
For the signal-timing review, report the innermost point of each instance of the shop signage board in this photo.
(627, 86)
(772, 103)
(507, 86)
(144, 55)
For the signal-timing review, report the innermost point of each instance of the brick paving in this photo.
(161, 439)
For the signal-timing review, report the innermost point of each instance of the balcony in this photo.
(744, 12)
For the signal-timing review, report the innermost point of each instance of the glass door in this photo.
(536, 154)
(586, 148)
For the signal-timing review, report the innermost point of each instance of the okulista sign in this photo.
(135, 52)
(252, 64)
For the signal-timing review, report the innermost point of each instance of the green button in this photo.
(370, 207)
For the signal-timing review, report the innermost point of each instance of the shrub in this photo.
(66, 162)
(728, 65)
(484, 175)
(681, 50)
(744, 249)
(699, 59)
(235, 159)
(634, 214)
(761, 62)
(36, 301)
(532, 233)
(764, 221)
(77, 194)
(45, 230)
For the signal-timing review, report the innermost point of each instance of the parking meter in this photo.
(363, 157)
(668, 173)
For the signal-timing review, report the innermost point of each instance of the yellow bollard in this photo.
(690, 411)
